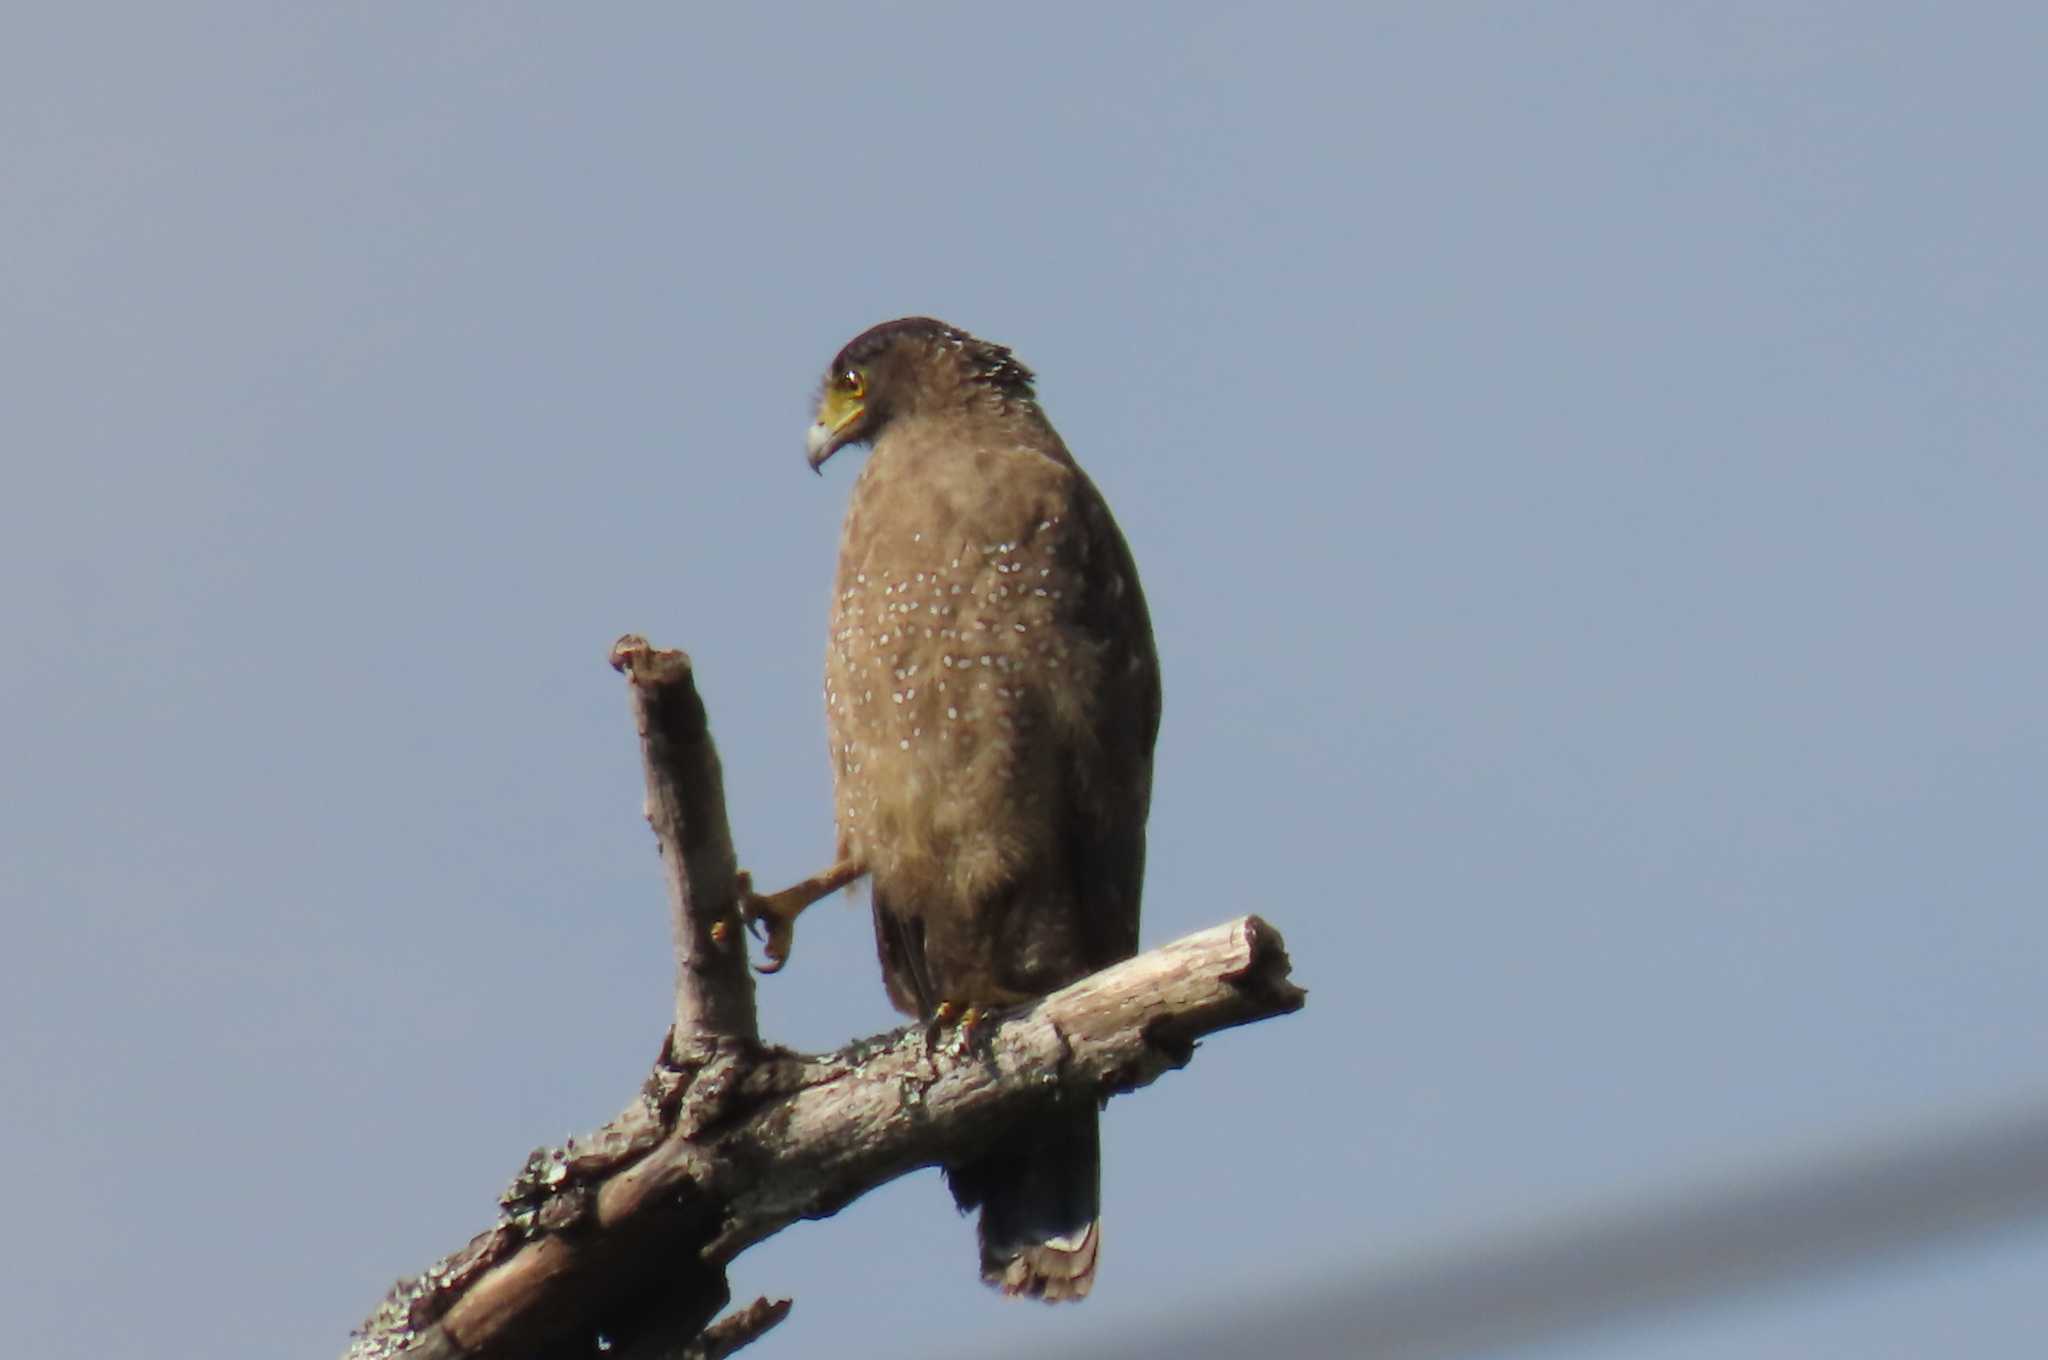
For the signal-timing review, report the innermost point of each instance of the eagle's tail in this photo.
(1040, 1191)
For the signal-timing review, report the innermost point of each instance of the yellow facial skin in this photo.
(840, 412)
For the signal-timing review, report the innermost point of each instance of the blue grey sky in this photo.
(1586, 463)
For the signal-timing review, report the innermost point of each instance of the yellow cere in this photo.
(842, 403)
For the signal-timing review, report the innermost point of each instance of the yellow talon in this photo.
(960, 1017)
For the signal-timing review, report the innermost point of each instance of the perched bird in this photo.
(992, 699)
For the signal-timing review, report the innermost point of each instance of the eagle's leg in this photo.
(772, 917)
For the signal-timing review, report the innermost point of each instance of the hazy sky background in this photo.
(1586, 462)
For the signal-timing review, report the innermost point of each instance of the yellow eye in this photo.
(851, 383)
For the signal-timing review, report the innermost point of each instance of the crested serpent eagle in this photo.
(992, 698)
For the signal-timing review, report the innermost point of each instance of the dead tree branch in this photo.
(686, 808)
(623, 1236)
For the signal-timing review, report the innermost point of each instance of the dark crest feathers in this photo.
(992, 363)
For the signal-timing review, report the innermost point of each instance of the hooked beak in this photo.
(827, 438)
(821, 443)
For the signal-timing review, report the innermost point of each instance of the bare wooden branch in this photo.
(686, 808)
(757, 1141)
(618, 1241)
(737, 1329)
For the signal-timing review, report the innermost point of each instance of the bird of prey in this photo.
(992, 699)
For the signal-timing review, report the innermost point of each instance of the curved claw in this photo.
(774, 929)
(776, 944)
